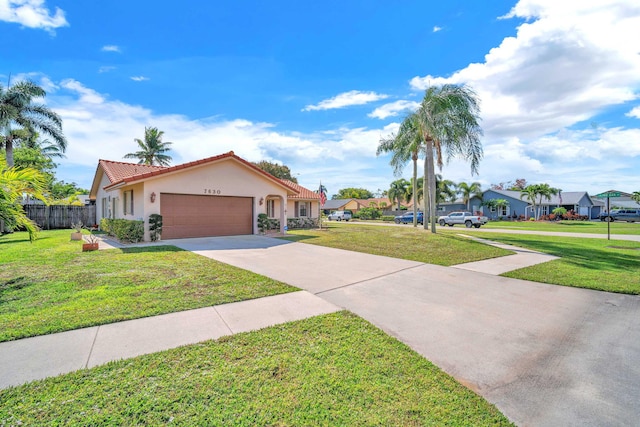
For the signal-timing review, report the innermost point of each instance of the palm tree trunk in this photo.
(430, 172)
(9, 151)
(415, 189)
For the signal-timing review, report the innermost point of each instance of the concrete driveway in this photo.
(545, 355)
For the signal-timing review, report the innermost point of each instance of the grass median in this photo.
(590, 227)
(332, 370)
(51, 286)
(404, 242)
(605, 265)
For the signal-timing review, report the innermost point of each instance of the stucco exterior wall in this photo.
(224, 178)
(100, 195)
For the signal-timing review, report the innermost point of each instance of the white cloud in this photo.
(31, 14)
(394, 108)
(139, 78)
(436, 29)
(98, 127)
(346, 99)
(111, 48)
(635, 112)
(567, 63)
(106, 69)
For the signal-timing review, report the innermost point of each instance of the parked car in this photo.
(339, 216)
(629, 215)
(407, 218)
(465, 218)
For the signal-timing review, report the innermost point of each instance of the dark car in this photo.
(408, 218)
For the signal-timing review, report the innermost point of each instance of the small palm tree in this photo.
(19, 112)
(636, 196)
(469, 191)
(535, 192)
(152, 149)
(14, 183)
(398, 191)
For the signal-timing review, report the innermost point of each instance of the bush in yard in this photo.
(265, 223)
(155, 226)
(388, 218)
(125, 230)
(369, 213)
(559, 212)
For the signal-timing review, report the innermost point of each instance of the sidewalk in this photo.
(496, 266)
(50, 355)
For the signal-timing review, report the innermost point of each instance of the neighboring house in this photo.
(624, 201)
(216, 196)
(576, 201)
(340, 205)
(383, 203)
(445, 208)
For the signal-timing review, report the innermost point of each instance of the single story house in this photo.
(217, 196)
(340, 205)
(578, 201)
(624, 201)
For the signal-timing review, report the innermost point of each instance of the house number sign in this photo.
(211, 191)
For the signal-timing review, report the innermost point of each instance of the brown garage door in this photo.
(185, 215)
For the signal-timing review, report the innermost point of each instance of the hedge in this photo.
(125, 230)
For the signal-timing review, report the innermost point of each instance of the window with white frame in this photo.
(503, 210)
(105, 207)
(271, 208)
(128, 202)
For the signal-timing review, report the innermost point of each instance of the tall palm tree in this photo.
(152, 149)
(14, 183)
(405, 145)
(18, 111)
(448, 122)
(469, 191)
(398, 191)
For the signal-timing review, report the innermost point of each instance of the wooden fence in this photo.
(60, 216)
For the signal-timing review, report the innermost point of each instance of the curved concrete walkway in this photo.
(544, 354)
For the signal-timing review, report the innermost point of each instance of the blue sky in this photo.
(315, 86)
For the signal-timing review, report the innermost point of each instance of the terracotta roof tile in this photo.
(118, 171)
(303, 193)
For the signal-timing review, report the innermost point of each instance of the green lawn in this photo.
(595, 227)
(52, 286)
(332, 370)
(399, 242)
(606, 265)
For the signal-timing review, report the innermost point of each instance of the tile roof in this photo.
(120, 173)
(377, 200)
(336, 203)
(303, 193)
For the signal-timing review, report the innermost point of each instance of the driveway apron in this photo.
(545, 355)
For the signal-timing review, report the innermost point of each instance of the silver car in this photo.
(629, 215)
(339, 216)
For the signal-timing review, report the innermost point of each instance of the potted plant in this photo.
(91, 244)
(77, 234)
